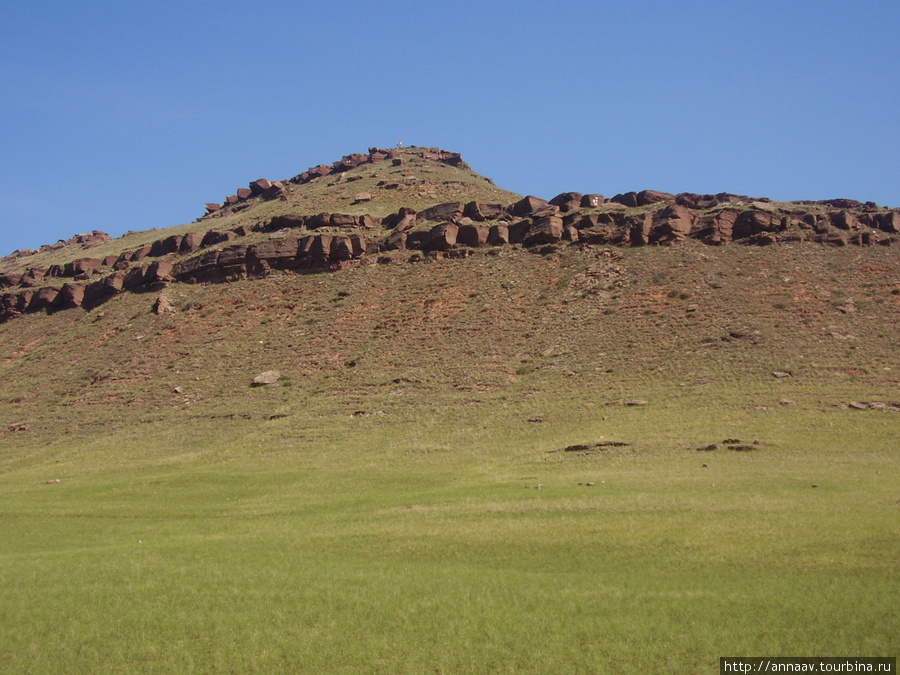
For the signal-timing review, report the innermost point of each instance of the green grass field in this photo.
(402, 501)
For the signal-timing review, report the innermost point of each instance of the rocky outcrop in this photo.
(483, 212)
(442, 237)
(85, 241)
(567, 201)
(530, 206)
(306, 243)
(375, 155)
(544, 230)
(449, 211)
(473, 235)
(642, 198)
(402, 221)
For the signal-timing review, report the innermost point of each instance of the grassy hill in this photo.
(581, 458)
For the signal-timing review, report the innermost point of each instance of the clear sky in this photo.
(124, 116)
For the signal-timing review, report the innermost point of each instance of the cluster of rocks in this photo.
(95, 280)
(260, 188)
(375, 155)
(874, 405)
(93, 238)
(265, 189)
(713, 219)
(329, 241)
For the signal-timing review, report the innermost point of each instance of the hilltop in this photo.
(425, 200)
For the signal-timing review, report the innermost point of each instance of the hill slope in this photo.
(559, 452)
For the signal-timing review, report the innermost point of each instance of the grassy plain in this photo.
(403, 500)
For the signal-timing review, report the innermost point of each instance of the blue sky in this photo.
(126, 116)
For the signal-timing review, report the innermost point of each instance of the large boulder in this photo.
(342, 248)
(343, 221)
(260, 185)
(199, 268)
(318, 221)
(8, 310)
(447, 211)
(581, 221)
(544, 230)
(351, 161)
(638, 228)
(889, 222)
(191, 242)
(159, 271)
(368, 222)
(361, 245)
(274, 191)
(33, 276)
(114, 283)
(482, 212)
(287, 221)
(134, 278)
(319, 171)
(214, 237)
(472, 235)
(498, 235)
(600, 234)
(71, 295)
(442, 237)
(754, 221)
(233, 256)
(671, 224)
(165, 246)
(43, 299)
(519, 230)
(278, 253)
(625, 198)
(528, 206)
(22, 300)
(267, 378)
(99, 290)
(402, 221)
(724, 226)
(92, 238)
(647, 197)
(844, 220)
(715, 229)
(566, 201)
(244, 193)
(139, 254)
(396, 241)
(82, 266)
(9, 280)
(319, 251)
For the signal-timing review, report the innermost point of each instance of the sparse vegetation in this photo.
(479, 465)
